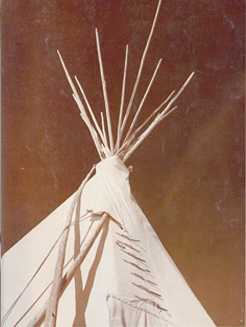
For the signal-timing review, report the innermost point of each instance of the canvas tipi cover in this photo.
(127, 278)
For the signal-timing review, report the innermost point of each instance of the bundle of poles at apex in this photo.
(123, 147)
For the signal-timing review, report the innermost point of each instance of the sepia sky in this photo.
(188, 175)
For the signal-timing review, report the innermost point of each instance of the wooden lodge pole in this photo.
(54, 295)
(40, 316)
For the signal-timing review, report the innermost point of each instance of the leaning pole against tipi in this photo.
(99, 261)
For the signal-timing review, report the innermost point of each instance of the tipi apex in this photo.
(96, 261)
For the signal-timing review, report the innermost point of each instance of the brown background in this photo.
(188, 175)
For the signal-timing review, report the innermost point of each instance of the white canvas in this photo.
(127, 278)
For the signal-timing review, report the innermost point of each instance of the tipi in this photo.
(96, 261)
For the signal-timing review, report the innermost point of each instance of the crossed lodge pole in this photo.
(66, 279)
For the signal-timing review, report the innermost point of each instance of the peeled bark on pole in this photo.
(50, 320)
(40, 316)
